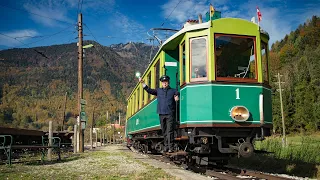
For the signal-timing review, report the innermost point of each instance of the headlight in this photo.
(239, 113)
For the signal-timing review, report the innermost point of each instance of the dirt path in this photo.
(109, 162)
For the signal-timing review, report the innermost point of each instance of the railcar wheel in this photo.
(246, 149)
(145, 149)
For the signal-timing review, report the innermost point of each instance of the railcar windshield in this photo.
(235, 57)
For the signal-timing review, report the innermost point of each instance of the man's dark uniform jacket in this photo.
(165, 96)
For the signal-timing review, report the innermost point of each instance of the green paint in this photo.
(211, 103)
(172, 56)
(235, 26)
(147, 117)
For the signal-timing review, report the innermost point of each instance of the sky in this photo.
(32, 23)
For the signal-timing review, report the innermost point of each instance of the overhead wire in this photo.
(171, 13)
(100, 54)
(63, 30)
(78, 7)
(92, 35)
(43, 55)
(34, 14)
(81, 6)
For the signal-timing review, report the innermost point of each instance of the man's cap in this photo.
(164, 78)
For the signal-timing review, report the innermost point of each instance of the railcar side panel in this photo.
(211, 103)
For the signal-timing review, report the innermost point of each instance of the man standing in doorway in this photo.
(166, 109)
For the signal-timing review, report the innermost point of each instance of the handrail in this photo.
(56, 140)
(3, 143)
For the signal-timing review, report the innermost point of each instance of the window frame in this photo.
(133, 104)
(233, 78)
(265, 80)
(190, 59)
(138, 98)
(157, 63)
(183, 79)
(128, 109)
(149, 79)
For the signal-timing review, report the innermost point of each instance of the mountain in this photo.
(34, 81)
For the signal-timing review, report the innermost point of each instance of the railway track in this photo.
(216, 172)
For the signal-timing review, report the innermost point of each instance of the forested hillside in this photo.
(297, 58)
(34, 81)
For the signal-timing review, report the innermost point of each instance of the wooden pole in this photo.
(91, 129)
(282, 114)
(50, 141)
(100, 138)
(75, 138)
(80, 80)
(91, 143)
(64, 111)
(107, 138)
(96, 138)
(113, 131)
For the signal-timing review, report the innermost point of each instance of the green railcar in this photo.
(220, 68)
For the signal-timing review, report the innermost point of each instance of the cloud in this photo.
(276, 26)
(105, 5)
(63, 9)
(128, 28)
(73, 3)
(184, 10)
(20, 35)
(278, 17)
(96, 5)
(47, 8)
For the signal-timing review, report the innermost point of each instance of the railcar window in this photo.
(132, 104)
(138, 99)
(198, 58)
(157, 73)
(142, 97)
(235, 56)
(128, 109)
(264, 58)
(149, 84)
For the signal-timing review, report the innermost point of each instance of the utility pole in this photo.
(80, 68)
(119, 119)
(282, 114)
(114, 123)
(91, 129)
(106, 128)
(50, 141)
(64, 111)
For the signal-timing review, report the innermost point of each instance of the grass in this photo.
(110, 164)
(298, 148)
(300, 157)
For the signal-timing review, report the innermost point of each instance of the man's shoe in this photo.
(170, 151)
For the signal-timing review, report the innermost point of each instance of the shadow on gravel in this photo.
(270, 164)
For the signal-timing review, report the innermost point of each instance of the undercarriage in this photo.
(203, 145)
